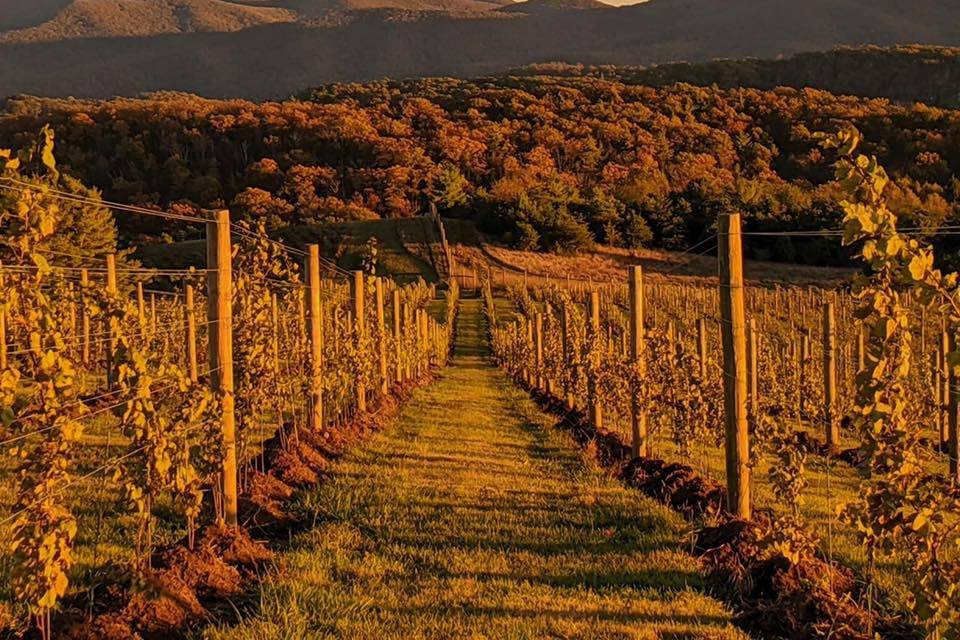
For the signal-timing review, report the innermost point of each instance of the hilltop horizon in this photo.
(96, 48)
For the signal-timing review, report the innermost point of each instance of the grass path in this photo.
(473, 518)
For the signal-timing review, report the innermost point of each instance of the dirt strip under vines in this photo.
(210, 582)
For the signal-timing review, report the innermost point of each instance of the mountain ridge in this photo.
(278, 59)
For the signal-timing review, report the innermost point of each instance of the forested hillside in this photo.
(545, 162)
(906, 73)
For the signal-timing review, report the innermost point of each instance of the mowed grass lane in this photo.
(473, 518)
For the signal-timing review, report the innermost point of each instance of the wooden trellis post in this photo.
(153, 313)
(953, 380)
(408, 367)
(861, 350)
(830, 377)
(112, 322)
(395, 307)
(220, 322)
(945, 386)
(424, 342)
(568, 388)
(84, 317)
(415, 321)
(538, 348)
(638, 417)
(141, 309)
(190, 319)
(3, 327)
(733, 331)
(360, 330)
(937, 393)
(275, 352)
(804, 358)
(547, 380)
(593, 399)
(702, 346)
(754, 379)
(314, 313)
(381, 338)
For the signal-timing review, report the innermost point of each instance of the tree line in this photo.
(544, 162)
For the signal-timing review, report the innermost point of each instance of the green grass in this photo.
(473, 518)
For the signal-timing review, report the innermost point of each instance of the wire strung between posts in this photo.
(946, 230)
(86, 476)
(701, 253)
(236, 229)
(104, 467)
(63, 254)
(245, 233)
(101, 338)
(26, 187)
(100, 411)
(78, 271)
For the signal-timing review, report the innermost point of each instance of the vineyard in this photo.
(249, 448)
(810, 435)
(147, 414)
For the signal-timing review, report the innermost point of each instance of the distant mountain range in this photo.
(273, 48)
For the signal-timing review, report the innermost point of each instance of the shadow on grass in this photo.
(592, 615)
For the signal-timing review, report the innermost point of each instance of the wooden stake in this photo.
(141, 309)
(638, 417)
(549, 381)
(408, 368)
(360, 329)
(3, 327)
(220, 321)
(593, 401)
(191, 322)
(153, 314)
(945, 386)
(382, 338)
(275, 348)
(861, 350)
(424, 351)
(830, 377)
(398, 369)
(733, 331)
(84, 317)
(754, 379)
(314, 311)
(538, 348)
(702, 346)
(568, 389)
(953, 450)
(935, 380)
(111, 323)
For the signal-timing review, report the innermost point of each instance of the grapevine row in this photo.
(188, 394)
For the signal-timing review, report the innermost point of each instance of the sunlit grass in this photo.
(473, 518)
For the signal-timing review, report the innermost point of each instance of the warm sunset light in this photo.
(479, 319)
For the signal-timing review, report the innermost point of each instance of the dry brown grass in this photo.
(606, 264)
